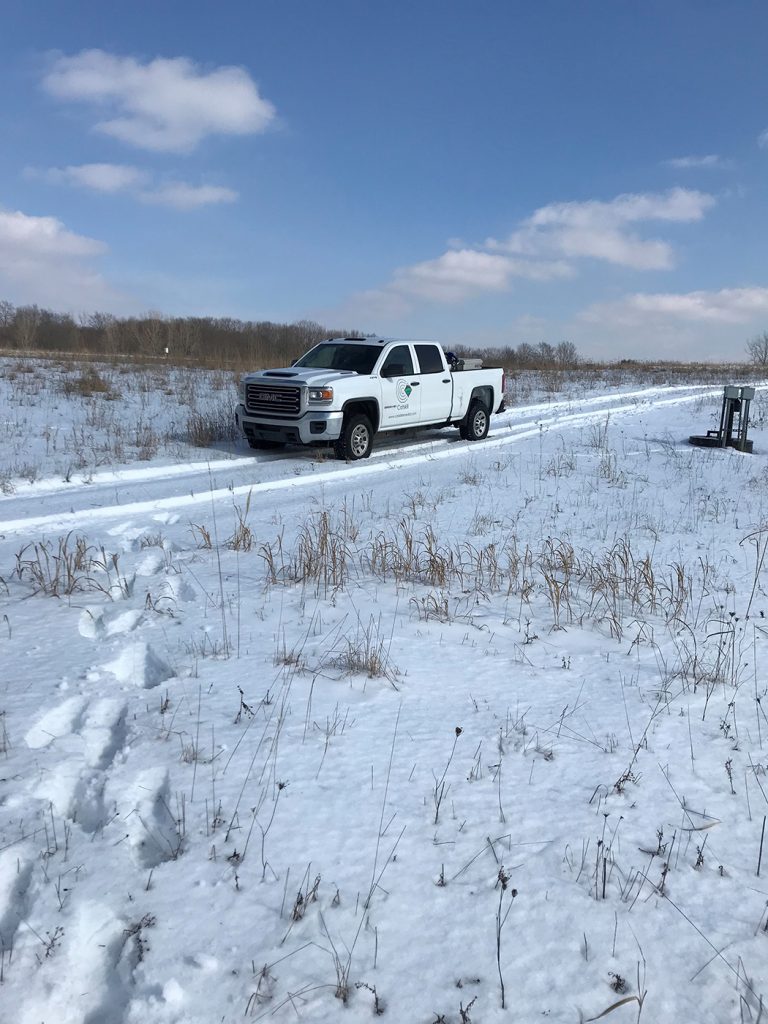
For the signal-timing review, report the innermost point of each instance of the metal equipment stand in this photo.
(735, 410)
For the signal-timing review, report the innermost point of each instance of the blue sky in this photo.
(489, 172)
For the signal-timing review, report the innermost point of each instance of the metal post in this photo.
(730, 406)
(747, 394)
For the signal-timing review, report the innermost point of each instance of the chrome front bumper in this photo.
(310, 428)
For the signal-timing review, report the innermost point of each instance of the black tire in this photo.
(474, 426)
(356, 440)
(265, 446)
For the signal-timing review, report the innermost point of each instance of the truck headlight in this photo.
(321, 394)
(241, 391)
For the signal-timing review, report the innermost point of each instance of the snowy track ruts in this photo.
(153, 490)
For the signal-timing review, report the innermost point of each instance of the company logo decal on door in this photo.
(404, 390)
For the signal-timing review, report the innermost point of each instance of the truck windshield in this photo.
(341, 356)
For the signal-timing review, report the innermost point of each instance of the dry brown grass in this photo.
(206, 427)
(88, 382)
(608, 587)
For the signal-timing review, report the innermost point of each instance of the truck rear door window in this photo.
(429, 359)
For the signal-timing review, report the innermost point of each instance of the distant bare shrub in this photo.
(87, 383)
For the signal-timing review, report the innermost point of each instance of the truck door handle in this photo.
(415, 383)
(446, 380)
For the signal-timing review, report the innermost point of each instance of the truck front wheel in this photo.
(356, 440)
(474, 427)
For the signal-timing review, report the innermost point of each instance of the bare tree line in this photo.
(543, 356)
(240, 344)
(208, 341)
(214, 341)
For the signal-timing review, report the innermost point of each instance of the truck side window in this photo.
(398, 363)
(429, 359)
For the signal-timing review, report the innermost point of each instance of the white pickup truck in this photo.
(347, 390)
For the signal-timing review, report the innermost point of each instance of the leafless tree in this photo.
(182, 337)
(757, 349)
(566, 355)
(7, 313)
(545, 353)
(107, 325)
(26, 323)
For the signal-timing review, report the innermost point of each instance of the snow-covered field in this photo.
(457, 734)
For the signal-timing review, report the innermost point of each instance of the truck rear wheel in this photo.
(474, 426)
(356, 440)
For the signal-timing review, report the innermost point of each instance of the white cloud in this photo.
(99, 177)
(598, 230)
(677, 204)
(726, 306)
(41, 237)
(41, 261)
(543, 248)
(453, 277)
(691, 162)
(613, 246)
(182, 196)
(456, 275)
(762, 139)
(113, 178)
(167, 105)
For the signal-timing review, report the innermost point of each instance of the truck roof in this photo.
(376, 341)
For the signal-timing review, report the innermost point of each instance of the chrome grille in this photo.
(275, 401)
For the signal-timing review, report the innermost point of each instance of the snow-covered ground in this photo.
(462, 733)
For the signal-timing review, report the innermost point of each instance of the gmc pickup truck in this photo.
(347, 390)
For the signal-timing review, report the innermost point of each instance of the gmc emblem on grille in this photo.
(266, 396)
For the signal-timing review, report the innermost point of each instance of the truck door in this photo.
(400, 389)
(434, 384)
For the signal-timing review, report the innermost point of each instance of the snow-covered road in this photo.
(141, 491)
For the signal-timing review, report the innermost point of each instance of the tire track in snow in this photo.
(92, 482)
(113, 477)
(590, 410)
